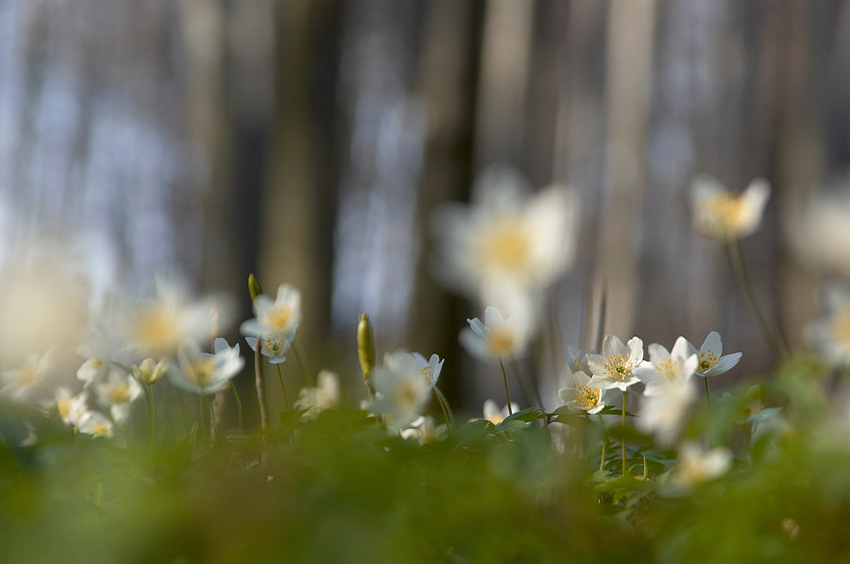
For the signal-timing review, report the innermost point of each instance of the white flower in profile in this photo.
(275, 318)
(664, 411)
(20, 381)
(508, 239)
(118, 392)
(614, 368)
(497, 337)
(428, 370)
(150, 371)
(831, 333)
(696, 465)
(721, 215)
(158, 327)
(92, 370)
(96, 424)
(424, 430)
(324, 396)
(494, 415)
(205, 373)
(579, 396)
(577, 360)
(400, 391)
(712, 361)
(274, 346)
(665, 366)
(70, 407)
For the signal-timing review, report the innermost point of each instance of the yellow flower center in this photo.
(506, 247)
(201, 371)
(272, 346)
(427, 374)
(618, 368)
(156, 329)
(707, 360)
(669, 369)
(63, 405)
(406, 393)
(100, 430)
(279, 316)
(119, 394)
(726, 210)
(587, 397)
(841, 326)
(500, 341)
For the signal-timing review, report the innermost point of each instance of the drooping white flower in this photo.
(275, 318)
(20, 381)
(831, 333)
(665, 366)
(400, 391)
(508, 240)
(614, 368)
(96, 424)
(322, 397)
(118, 392)
(158, 327)
(664, 411)
(149, 371)
(494, 415)
(70, 407)
(696, 465)
(204, 373)
(424, 430)
(579, 396)
(274, 346)
(712, 361)
(719, 214)
(496, 337)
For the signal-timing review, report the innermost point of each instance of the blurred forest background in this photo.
(308, 141)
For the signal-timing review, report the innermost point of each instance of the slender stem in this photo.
(306, 374)
(238, 403)
(624, 426)
(258, 383)
(152, 415)
(441, 400)
(526, 380)
(282, 387)
(507, 391)
(199, 420)
(707, 394)
(604, 444)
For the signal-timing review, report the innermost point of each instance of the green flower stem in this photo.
(507, 391)
(707, 394)
(282, 387)
(306, 374)
(258, 383)
(238, 403)
(624, 426)
(441, 399)
(604, 444)
(199, 420)
(151, 415)
(771, 331)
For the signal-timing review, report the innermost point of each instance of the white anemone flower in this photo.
(71, 408)
(424, 430)
(679, 364)
(96, 424)
(150, 371)
(158, 327)
(204, 373)
(508, 240)
(712, 361)
(118, 392)
(579, 396)
(831, 333)
(721, 215)
(665, 410)
(279, 317)
(428, 370)
(274, 346)
(696, 465)
(614, 368)
(93, 370)
(497, 337)
(400, 391)
(19, 382)
(494, 415)
(324, 396)
(577, 360)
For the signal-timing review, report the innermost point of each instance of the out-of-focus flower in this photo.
(20, 381)
(204, 373)
(696, 465)
(428, 370)
(831, 334)
(96, 424)
(496, 337)
(92, 370)
(400, 391)
(150, 371)
(719, 214)
(577, 360)
(820, 234)
(279, 317)
(118, 392)
(424, 430)
(664, 411)
(494, 415)
(274, 345)
(665, 366)
(508, 241)
(580, 396)
(322, 397)
(712, 361)
(160, 326)
(71, 408)
(614, 368)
